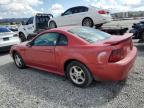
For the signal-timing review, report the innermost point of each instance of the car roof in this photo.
(65, 28)
(77, 7)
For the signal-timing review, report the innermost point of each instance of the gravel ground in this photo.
(122, 23)
(31, 88)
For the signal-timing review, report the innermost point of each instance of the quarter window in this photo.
(62, 40)
(83, 9)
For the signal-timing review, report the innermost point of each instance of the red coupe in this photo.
(80, 53)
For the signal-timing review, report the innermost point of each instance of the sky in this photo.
(27, 8)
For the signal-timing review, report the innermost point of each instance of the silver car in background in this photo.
(7, 39)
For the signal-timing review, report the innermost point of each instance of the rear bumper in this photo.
(102, 20)
(115, 71)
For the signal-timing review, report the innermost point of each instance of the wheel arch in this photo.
(52, 21)
(67, 62)
(89, 18)
(21, 32)
(13, 52)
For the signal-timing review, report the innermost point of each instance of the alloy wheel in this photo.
(18, 60)
(77, 75)
(87, 22)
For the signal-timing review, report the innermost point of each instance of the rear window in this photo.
(2, 30)
(41, 19)
(89, 34)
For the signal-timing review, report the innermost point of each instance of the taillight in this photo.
(102, 12)
(15, 35)
(116, 55)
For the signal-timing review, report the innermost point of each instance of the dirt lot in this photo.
(31, 88)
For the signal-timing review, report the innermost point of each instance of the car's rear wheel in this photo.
(19, 61)
(98, 25)
(142, 36)
(52, 24)
(87, 22)
(78, 74)
(22, 37)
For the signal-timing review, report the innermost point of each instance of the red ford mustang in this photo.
(80, 53)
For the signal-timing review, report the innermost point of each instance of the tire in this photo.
(52, 24)
(22, 37)
(87, 22)
(142, 36)
(18, 61)
(78, 74)
(98, 25)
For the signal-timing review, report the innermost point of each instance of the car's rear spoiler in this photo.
(121, 38)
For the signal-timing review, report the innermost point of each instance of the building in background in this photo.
(128, 14)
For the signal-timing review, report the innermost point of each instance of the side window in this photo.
(30, 21)
(68, 12)
(47, 39)
(79, 9)
(75, 10)
(83, 9)
(62, 40)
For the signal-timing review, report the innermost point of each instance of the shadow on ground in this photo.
(56, 89)
(4, 53)
(140, 48)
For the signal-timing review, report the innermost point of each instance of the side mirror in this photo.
(29, 44)
(62, 14)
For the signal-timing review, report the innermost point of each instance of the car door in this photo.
(79, 13)
(61, 51)
(30, 25)
(65, 18)
(41, 52)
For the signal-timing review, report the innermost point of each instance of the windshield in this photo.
(3, 30)
(89, 34)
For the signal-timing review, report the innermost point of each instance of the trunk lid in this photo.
(121, 42)
(6, 34)
(118, 39)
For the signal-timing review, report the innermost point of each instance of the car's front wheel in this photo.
(78, 74)
(52, 24)
(22, 37)
(19, 61)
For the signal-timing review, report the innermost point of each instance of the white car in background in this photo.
(82, 16)
(7, 39)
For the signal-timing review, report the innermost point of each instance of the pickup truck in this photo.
(33, 26)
